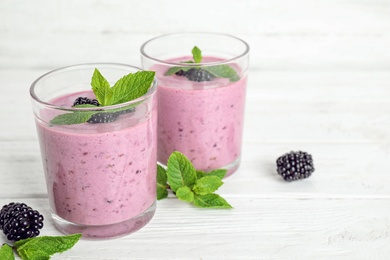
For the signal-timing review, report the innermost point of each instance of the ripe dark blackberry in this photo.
(181, 73)
(106, 117)
(19, 221)
(199, 75)
(103, 117)
(85, 100)
(295, 165)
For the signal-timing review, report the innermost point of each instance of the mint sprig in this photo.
(127, 88)
(218, 71)
(180, 171)
(190, 185)
(39, 248)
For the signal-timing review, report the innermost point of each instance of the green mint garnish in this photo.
(211, 201)
(190, 185)
(162, 191)
(207, 185)
(78, 117)
(6, 252)
(101, 88)
(180, 171)
(223, 71)
(218, 71)
(39, 248)
(220, 173)
(196, 54)
(185, 194)
(129, 87)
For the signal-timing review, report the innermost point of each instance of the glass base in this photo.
(105, 231)
(232, 167)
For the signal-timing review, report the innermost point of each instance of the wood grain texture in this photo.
(319, 81)
(285, 228)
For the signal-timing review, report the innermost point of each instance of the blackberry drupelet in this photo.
(85, 100)
(295, 165)
(199, 75)
(19, 221)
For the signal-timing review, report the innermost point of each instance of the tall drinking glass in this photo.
(101, 177)
(202, 79)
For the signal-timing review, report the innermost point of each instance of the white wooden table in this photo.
(319, 82)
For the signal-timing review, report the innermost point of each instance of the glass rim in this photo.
(35, 98)
(143, 52)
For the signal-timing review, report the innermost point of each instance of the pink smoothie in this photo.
(101, 174)
(203, 120)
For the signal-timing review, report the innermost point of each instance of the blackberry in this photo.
(199, 75)
(181, 73)
(106, 117)
(85, 100)
(295, 165)
(19, 221)
(103, 118)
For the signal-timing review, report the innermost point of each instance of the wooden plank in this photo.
(285, 228)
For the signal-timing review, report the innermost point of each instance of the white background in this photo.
(319, 81)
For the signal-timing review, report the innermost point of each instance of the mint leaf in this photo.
(162, 192)
(211, 201)
(197, 54)
(78, 117)
(101, 88)
(180, 171)
(185, 193)
(207, 185)
(131, 86)
(199, 174)
(223, 71)
(220, 173)
(6, 252)
(41, 248)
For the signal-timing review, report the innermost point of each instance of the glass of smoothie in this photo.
(202, 79)
(101, 172)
